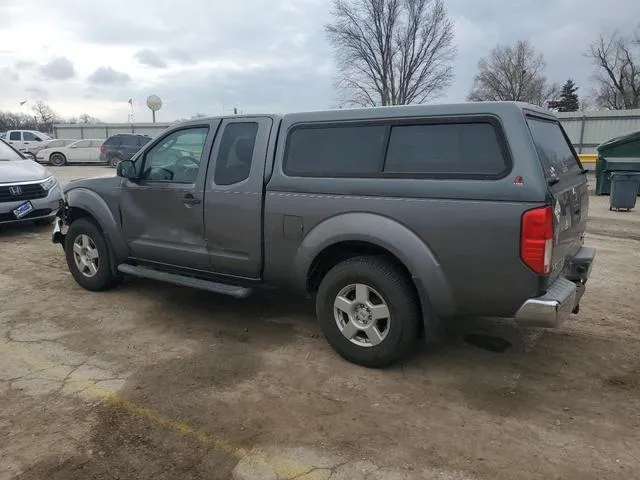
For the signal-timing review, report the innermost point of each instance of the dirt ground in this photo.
(156, 381)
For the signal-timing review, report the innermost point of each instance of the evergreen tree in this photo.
(568, 97)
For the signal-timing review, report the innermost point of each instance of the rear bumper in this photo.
(562, 297)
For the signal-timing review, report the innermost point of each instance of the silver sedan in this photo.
(28, 191)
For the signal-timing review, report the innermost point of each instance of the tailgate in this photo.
(568, 189)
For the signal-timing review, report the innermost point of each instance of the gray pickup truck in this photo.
(394, 219)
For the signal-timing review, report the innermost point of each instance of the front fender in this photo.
(94, 205)
(432, 285)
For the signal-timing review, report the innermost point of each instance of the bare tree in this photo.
(513, 73)
(45, 115)
(86, 118)
(617, 59)
(391, 52)
(16, 121)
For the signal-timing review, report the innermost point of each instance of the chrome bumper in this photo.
(562, 297)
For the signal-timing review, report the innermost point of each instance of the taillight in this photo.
(102, 148)
(536, 239)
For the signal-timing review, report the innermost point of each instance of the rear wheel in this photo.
(88, 256)
(368, 310)
(114, 161)
(58, 159)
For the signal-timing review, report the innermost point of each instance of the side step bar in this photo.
(221, 288)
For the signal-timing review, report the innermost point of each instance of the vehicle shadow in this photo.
(29, 229)
(496, 336)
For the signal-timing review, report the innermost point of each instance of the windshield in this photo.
(8, 154)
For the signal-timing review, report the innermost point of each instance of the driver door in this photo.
(162, 211)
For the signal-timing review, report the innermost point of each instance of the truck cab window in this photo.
(30, 137)
(176, 158)
(235, 154)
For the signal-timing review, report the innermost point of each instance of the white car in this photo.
(54, 143)
(81, 151)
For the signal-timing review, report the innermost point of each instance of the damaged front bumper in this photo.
(60, 226)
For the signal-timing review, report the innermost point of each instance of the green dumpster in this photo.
(620, 154)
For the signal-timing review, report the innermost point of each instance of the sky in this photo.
(209, 56)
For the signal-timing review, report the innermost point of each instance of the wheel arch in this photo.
(84, 203)
(55, 152)
(354, 234)
(338, 252)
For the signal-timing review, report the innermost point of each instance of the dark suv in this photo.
(121, 146)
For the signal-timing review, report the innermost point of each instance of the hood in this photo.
(22, 171)
(96, 183)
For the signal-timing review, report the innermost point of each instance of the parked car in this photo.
(394, 219)
(28, 192)
(54, 143)
(27, 142)
(121, 146)
(80, 151)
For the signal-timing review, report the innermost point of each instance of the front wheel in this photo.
(88, 256)
(368, 310)
(58, 159)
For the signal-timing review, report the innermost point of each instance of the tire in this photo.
(83, 233)
(57, 159)
(385, 284)
(114, 161)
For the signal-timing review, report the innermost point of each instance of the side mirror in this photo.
(127, 169)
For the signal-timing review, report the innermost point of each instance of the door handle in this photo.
(189, 200)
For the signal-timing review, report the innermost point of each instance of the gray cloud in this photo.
(8, 74)
(37, 92)
(150, 58)
(561, 31)
(202, 30)
(122, 22)
(108, 76)
(24, 64)
(59, 68)
(181, 56)
(260, 90)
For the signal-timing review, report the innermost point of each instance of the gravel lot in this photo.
(156, 381)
